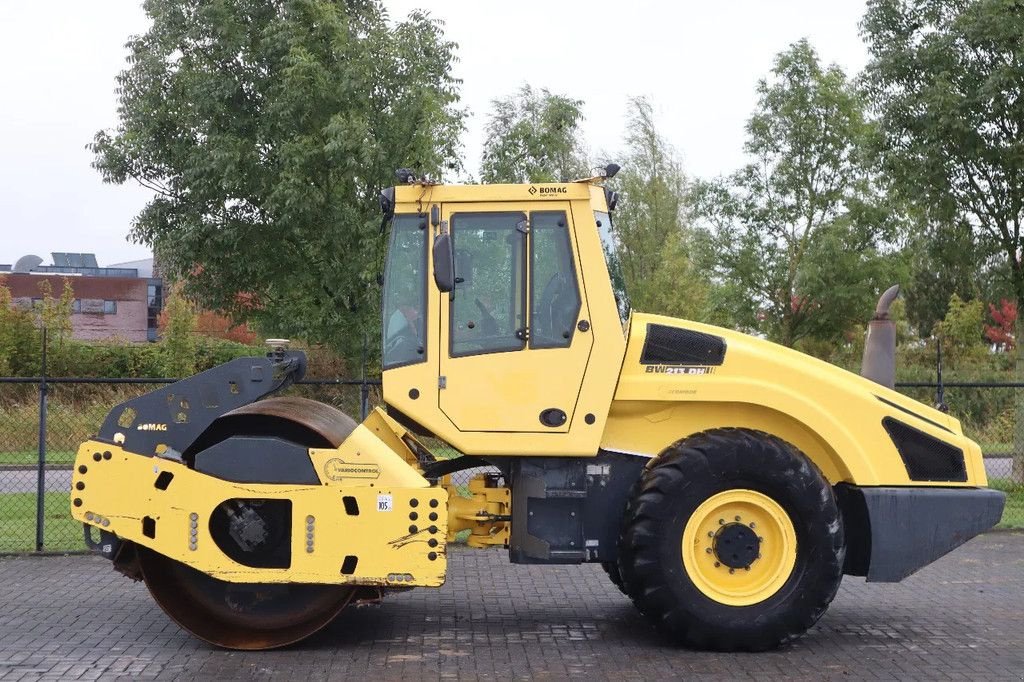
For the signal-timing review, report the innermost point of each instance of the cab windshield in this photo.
(611, 249)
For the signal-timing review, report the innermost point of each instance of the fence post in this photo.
(364, 388)
(940, 389)
(41, 472)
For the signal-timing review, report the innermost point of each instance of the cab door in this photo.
(514, 331)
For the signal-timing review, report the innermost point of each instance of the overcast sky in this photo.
(698, 62)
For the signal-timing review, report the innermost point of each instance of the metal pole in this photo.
(940, 389)
(41, 472)
(364, 388)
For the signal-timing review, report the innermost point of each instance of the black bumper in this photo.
(892, 532)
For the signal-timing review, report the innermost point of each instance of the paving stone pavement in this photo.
(961, 618)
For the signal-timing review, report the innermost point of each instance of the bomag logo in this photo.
(547, 191)
(679, 369)
(337, 469)
(151, 427)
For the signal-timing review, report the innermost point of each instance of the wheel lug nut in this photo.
(721, 522)
(751, 524)
(717, 564)
(747, 568)
(731, 571)
(737, 518)
(708, 550)
(710, 534)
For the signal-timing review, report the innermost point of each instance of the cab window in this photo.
(405, 293)
(487, 304)
(610, 247)
(554, 297)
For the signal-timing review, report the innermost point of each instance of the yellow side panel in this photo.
(647, 428)
(507, 391)
(373, 454)
(834, 416)
(117, 493)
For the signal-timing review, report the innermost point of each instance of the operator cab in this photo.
(496, 298)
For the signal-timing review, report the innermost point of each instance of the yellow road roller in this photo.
(725, 483)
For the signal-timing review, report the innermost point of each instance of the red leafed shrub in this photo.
(1005, 317)
(219, 327)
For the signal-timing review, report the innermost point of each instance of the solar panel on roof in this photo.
(74, 260)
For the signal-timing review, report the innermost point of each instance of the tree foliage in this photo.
(19, 341)
(533, 136)
(216, 326)
(265, 129)
(961, 329)
(943, 260)
(1002, 333)
(947, 79)
(652, 239)
(54, 314)
(798, 234)
(178, 326)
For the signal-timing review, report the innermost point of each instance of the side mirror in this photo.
(387, 207)
(444, 262)
(387, 202)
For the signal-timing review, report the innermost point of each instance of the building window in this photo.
(110, 307)
(76, 305)
(37, 303)
(154, 304)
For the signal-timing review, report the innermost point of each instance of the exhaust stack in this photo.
(879, 363)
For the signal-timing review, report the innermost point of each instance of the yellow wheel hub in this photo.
(739, 547)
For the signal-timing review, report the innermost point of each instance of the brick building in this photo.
(112, 303)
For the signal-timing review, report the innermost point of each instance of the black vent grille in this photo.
(674, 346)
(926, 458)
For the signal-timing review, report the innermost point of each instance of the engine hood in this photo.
(674, 363)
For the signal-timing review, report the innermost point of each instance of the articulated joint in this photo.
(487, 513)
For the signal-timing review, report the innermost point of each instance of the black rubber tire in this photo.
(650, 558)
(612, 569)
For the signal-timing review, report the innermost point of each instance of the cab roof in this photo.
(418, 193)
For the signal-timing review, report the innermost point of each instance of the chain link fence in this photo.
(35, 481)
(988, 415)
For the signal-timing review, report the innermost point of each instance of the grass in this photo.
(18, 523)
(996, 449)
(31, 457)
(1013, 514)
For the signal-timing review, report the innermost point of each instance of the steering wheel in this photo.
(488, 325)
(556, 305)
(404, 343)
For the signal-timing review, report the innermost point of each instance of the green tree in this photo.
(651, 236)
(178, 327)
(265, 130)
(798, 234)
(19, 340)
(533, 136)
(947, 79)
(943, 260)
(54, 314)
(962, 329)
